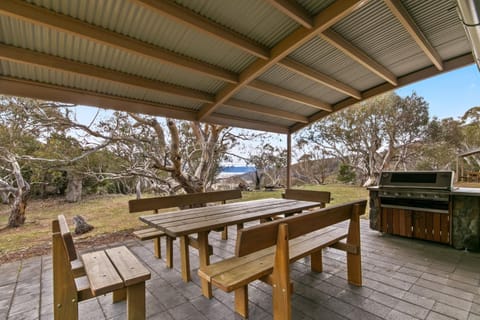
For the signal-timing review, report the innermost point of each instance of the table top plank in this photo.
(209, 218)
(179, 214)
(221, 211)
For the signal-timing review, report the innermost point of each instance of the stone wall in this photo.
(466, 222)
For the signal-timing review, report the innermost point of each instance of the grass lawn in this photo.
(109, 215)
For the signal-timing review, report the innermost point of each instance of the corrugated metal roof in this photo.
(315, 6)
(69, 80)
(321, 56)
(130, 19)
(226, 110)
(374, 35)
(259, 22)
(373, 29)
(254, 96)
(61, 44)
(297, 83)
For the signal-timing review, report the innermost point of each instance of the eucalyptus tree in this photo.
(373, 135)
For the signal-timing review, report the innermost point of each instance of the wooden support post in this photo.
(184, 254)
(119, 295)
(225, 233)
(156, 247)
(241, 301)
(316, 261)
(281, 292)
(169, 257)
(354, 262)
(289, 160)
(136, 301)
(204, 258)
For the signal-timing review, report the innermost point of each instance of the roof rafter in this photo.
(294, 11)
(325, 19)
(48, 18)
(204, 25)
(425, 73)
(264, 110)
(319, 77)
(52, 62)
(401, 13)
(358, 55)
(32, 89)
(289, 95)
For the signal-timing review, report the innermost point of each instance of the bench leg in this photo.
(119, 295)
(156, 248)
(354, 261)
(316, 264)
(204, 256)
(241, 301)
(184, 254)
(169, 257)
(136, 301)
(225, 233)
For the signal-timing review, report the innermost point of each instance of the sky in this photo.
(449, 94)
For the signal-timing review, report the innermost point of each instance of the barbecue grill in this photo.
(425, 191)
(413, 204)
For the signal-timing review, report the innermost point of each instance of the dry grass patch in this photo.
(110, 217)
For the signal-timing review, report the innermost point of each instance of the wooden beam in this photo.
(264, 110)
(325, 19)
(52, 62)
(191, 19)
(319, 77)
(289, 95)
(41, 16)
(231, 121)
(358, 55)
(449, 65)
(48, 92)
(401, 13)
(293, 10)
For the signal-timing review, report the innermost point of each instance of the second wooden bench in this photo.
(264, 252)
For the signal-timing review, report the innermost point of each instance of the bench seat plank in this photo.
(237, 272)
(149, 233)
(130, 269)
(102, 275)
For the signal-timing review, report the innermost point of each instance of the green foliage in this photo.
(346, 174)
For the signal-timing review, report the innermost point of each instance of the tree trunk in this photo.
(74, 188)
(17, 215)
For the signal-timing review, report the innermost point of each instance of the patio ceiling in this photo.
(272, 65)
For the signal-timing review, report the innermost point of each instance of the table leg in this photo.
(185, 258)
(204, 261)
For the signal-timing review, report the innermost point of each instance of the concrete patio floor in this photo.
(403, 279)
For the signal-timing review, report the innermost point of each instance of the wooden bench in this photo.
(182, 201)
(323, 197)
(264, 252)
(95, 273)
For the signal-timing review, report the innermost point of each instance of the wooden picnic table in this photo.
(202, 220)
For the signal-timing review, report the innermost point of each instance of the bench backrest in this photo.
(63, 252)
(308, 195)
(184, 200)
(265, 235)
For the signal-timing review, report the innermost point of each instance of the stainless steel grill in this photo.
(421, 190)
